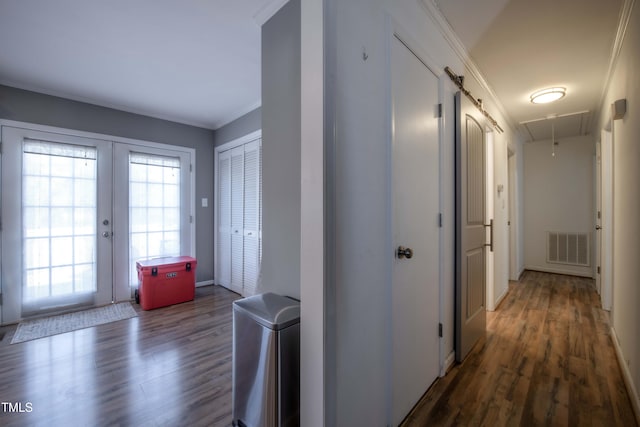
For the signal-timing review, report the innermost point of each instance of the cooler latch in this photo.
(188, 266)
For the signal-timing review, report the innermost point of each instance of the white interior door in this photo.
(606, 233)
(598, 219)
(239, 214)
(415, 200)
(56, 210)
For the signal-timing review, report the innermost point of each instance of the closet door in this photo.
(251, 217)
(223, 248)
(239, 214)
(237, 220)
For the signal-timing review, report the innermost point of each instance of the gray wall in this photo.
(250, 122)
(281, 151)
(32, 107)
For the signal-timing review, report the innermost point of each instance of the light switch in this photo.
(205, 202)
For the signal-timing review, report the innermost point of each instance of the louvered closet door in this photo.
(224, 220)
(237, 220)
(251, 217)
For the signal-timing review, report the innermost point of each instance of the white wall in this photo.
(625, 316)
(357, 198)
(558, 196)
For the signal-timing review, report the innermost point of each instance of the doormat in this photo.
(45, 327)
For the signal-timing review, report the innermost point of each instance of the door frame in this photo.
(113, 139)
(606, 233)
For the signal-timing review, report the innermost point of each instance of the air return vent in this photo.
(568, 248)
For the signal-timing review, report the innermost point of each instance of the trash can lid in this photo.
(270, 310)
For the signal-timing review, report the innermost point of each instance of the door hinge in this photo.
(599, 215)
(1, 302)
(190, 167)
(439, 110)
(0, 147)
(440, 330)
(440, 220)
(190, 219)
(598, 269)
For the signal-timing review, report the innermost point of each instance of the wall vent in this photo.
(568, 248)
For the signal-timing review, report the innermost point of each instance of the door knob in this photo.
(598, 227)
(403, 252)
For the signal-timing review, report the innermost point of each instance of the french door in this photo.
(78, 212)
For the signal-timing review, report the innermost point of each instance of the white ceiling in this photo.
(198, 61)
(521, 46)
(190, 61)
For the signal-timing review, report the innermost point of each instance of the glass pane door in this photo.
(154, 208)
(60, 218)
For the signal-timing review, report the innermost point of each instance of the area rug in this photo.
(40, 328)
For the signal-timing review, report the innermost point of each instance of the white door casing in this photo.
(415, 209)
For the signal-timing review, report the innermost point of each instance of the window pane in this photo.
(154, 208)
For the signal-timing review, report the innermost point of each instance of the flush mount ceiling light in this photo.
(548, 95)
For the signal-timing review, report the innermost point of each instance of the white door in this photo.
(56, 212)
(73, 228)
(152, 213)
(238, 215)
(598, 219)
(415, 201)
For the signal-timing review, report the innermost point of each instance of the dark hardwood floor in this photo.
(547, 359)
(166, 367)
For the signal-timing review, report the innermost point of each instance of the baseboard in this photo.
(448, 363)
(500, 298)
(626, 375)
(205, 283)
(558, 271)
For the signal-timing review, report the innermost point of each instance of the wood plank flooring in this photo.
(167, 367)
(547, 359)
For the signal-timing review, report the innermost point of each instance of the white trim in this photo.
(268, 10)
(239, 141)
(623, 23)
(448, 363)
(501, 297)
(560, 271)
(458, 48)
(626, 375)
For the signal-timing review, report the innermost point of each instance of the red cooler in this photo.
(166, 281)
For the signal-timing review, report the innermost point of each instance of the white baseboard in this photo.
(501, 297)
(558, 271)
(626, 375)
(448, 363)
(205, 283)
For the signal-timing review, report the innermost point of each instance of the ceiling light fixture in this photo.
(548, 95)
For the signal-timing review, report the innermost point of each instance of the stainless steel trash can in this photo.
(266, 361)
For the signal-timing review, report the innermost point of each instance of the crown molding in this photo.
(623, 23)
(268, 10)
(461, 52)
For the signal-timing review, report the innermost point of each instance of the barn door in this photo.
(470, 227)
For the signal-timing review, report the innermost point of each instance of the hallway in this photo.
(547, 359)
